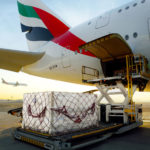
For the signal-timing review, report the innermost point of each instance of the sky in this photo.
(73, 12)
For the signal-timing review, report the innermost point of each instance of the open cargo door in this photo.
(108, 48)
(111, 50)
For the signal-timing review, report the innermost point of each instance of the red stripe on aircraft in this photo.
(59, 30)
(55, 26)
(71, 42)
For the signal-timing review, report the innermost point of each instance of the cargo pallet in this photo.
(74, 140)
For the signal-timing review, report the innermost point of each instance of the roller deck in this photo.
(73, 140)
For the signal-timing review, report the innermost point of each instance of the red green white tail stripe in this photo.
(42, 25)
(39, 22)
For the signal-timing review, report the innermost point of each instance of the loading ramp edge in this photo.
(90, 137)
(115, 78)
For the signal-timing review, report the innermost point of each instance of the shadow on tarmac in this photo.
(137, 139)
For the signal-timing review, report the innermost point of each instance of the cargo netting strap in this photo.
(75, 118)
(59, 113)
(40, 115)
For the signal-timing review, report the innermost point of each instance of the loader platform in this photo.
(73, 140)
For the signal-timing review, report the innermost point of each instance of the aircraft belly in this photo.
(54, 68)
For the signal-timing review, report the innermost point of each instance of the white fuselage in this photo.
(130, 21)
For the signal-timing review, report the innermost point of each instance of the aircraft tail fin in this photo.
(39, 22)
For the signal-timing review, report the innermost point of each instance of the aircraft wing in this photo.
(14, 60)
(108, 47)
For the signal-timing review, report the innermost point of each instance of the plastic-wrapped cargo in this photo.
(59, 113)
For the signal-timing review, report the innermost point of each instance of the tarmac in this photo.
(137, 139)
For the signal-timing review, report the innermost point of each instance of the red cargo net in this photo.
(40, 115)
(75, 118)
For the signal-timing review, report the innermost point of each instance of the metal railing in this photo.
(135, 64)
(89, 73)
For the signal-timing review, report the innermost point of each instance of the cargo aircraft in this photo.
(13, 83)
(95, 49)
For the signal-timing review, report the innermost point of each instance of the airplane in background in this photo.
(13, 83)
(96, 48)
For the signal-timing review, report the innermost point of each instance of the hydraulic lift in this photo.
(113, 118)
(132, 78)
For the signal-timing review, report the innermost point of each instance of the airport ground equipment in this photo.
(80, 138)
(75, 140)
(112, 118)
(122, 113)
(133, 75)
(16, 112)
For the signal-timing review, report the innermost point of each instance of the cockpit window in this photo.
(135, 4)
(135, 34)
(127, 7)
(120, 10)
(127, 37)
(143, 1)
(89, 22)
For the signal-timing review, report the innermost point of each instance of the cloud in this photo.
(11, 36)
